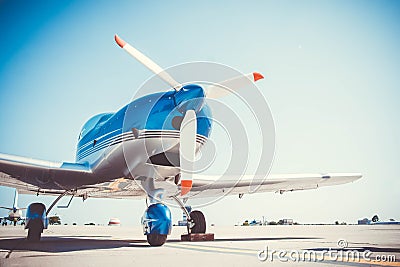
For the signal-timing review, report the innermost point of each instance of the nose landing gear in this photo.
(156, 240)
(157, 224)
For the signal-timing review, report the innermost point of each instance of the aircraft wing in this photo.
(31, 176)
(212, 186)
(6, 208)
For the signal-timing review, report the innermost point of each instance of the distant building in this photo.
(389, 222)
(286, 221)
(364, 221)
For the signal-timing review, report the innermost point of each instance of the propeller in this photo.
(188, 129)
(150, 64)
(187, 150)
(212, 91)
(222, 88)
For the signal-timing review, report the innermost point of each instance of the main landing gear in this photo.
(36, 218)
(35, 230)
(196, 225)
(36, 221)
(198, 222)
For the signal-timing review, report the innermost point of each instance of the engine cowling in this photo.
(157, 220)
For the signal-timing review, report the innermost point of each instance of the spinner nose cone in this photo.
(190, 97)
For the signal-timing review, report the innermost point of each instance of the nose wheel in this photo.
(156, 240)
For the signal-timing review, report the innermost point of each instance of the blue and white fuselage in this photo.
(146, 131)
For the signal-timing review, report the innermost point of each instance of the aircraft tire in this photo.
(199, 222)
(35, 231)
(156, 240)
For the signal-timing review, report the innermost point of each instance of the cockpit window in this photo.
(93, 122)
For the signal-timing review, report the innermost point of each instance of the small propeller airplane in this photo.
(146, 150)
(15, 213)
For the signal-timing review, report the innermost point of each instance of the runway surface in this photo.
(284, 245)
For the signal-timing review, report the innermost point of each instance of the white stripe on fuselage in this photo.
(91, 142)
(128, 136)
(128, 157)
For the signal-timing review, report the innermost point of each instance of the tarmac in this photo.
(280, 245)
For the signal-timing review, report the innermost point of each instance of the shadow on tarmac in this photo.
(68, 244)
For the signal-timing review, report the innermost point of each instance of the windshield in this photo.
(92, 122)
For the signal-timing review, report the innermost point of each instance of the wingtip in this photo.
(119, 41)
(257, 76)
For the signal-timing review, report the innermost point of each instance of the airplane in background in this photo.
(146, 150)
(15, 213)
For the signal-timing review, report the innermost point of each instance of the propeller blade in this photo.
(150, 64)
(236, 83)
(187, 150)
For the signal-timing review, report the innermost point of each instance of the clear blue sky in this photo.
(332, 82)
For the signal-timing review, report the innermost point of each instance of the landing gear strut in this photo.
(196, 222)
(196, 225)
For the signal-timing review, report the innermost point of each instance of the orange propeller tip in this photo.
(119, 41)
(257, 76)
(186, 185)
(185, 190)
